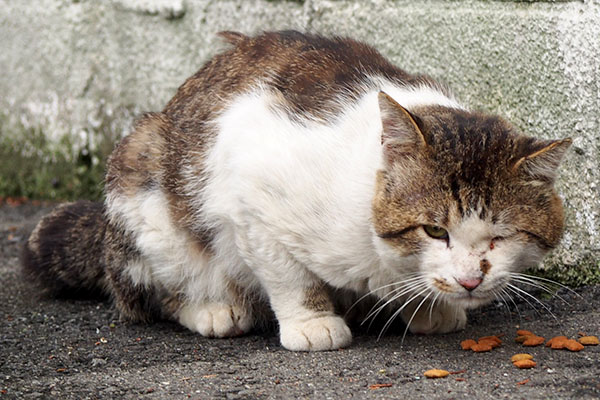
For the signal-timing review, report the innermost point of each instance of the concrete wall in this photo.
(84, 68)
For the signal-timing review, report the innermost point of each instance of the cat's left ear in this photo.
(543, 163)
(401, 133)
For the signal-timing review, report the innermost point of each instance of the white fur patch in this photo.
(171, 258)
(316, 334)
(140, 273)
(306, 187)
(409, 97)
(215, 319)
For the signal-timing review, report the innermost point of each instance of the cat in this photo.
(293, 170)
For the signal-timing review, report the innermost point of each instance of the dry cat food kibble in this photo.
(436, 373)
(528, 338)
(481, 347)
(483, 344)
(525, 364)
(573, 345)
(589, 340)
(521, 356)
(523, 360)
(562, 342)
(467, 344)
(557, 342)
(493, 341)
(523, 332)
(533, 340)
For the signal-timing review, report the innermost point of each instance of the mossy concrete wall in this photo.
(85, 68)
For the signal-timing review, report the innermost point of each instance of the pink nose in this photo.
(470, 283)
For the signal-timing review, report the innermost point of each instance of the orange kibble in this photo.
(573, 345)
(533, 341)
(481, 347)
(523, 332)
(490, 342)
(494, 338)
(522, 338)
(436, 373)
(589, 340)
(466, 344)
(520, 357)
(523, 364)
(556, 340)
(559, 344)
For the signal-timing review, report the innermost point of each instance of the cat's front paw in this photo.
(443, 318)
(317, 334)
(215, 319)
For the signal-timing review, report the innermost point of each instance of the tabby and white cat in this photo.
(292, 168)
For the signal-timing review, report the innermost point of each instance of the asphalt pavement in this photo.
(80, 350)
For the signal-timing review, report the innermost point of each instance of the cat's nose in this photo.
(469, 283)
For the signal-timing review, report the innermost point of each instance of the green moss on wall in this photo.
(34, 168)
(587, 272)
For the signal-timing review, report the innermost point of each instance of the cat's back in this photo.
(308, 73)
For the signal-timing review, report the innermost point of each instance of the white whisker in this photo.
(539, 285)
(404, 289)
(411, 277)
(503, 290)
(431, 306)
(498, 296)
(538, 278)
(524, 299)
(513, 287)
(398, 311)
(398, 296)
(413, 316)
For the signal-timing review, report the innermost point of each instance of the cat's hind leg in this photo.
(170, 262)
(225, 315)
(156, 263)
(129, 280)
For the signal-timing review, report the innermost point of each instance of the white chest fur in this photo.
(305, 187)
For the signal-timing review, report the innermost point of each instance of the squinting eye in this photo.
(436, 232)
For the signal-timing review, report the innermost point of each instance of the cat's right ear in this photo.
(400, 134)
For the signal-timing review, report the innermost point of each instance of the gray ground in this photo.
(79, 349)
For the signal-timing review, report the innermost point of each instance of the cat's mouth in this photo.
(473, 300)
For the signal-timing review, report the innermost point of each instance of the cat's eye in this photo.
(436, 232)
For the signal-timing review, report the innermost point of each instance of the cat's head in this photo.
(465, 199)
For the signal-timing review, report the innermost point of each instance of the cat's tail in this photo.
(64, 256)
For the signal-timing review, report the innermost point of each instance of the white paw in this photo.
(317, 334)
(215, 319)
(443, 318)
